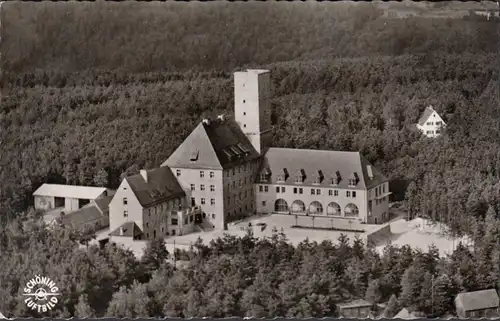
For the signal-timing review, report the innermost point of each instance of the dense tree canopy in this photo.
(236, 276)
(95, 91)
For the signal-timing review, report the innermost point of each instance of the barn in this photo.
(67, 197)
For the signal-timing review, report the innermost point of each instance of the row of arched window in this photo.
(315, 208)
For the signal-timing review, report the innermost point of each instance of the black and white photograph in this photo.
(254, 159)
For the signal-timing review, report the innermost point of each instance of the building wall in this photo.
(355, 312)
(214, 213)
(430, 128)
(265, 201)
(239, 196)
(155, 218)
(44, 202)
(117, 208)
(379, 201)
(71, 204)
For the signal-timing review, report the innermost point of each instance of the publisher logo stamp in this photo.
(41, 293)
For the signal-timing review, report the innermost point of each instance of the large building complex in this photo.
(225, 170)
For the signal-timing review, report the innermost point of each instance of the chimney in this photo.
(121, 231)
(144, 175)
(369, 170)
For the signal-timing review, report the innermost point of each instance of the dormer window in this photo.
(318, 178)
(298, 179)
(354, 179)
(263, 177)
(335, 180)
(280, 178)
(194, 156)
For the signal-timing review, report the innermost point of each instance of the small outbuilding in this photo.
(355, 309)
(478, 304)
(67, 197)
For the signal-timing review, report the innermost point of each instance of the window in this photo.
(185, 220)
(213, 216)
(244, 113)
(282, 189)
(229, 200)
(202, 201)
(383, 188)
(244, 101)
(263, 178)
(147, 224)
(318, 191)
(330, 192)
(202, 174)
(352, 182)
(266, 189)
(246, 193)
(192, 187)
(234, 171)
(298, 179)
(125, 213)
(234, 184)
(212, 201)
(429, 123)
(348, 193)
(438, 123)
(277, 189)
(212, 174)
(178, 172)
(295, 190)
(353, 194)
(301, 190)
(193, 201)
(174, 221)
(263, 203)
(125, 202)
(245, 181)
(239, 183)
(312, 191)
(240, 196)
(202, 187)
(190, 218)
(261, 188)
(280, 178)
(212, 188)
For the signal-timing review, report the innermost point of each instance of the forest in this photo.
(92, 92)
(239, 276)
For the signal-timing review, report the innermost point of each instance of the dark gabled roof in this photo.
(85, 215)
(427, 113)
(130, 229)
(218, 144)
(478, 300)
(161, 186)
(329, 162)
(360, 303)
(103, 204)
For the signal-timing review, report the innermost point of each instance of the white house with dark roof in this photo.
(155, 203)
(225, 170)
(430, 123)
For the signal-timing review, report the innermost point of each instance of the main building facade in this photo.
(225, 170)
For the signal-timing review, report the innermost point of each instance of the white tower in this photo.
(252, 106)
